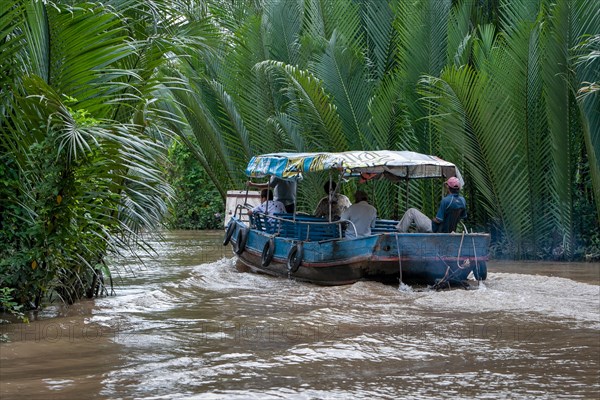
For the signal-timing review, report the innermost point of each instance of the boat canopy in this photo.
(394, 165)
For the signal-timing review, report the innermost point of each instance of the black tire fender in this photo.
(480, 271)
(229, 232)
(241, 238)
(294, 257)
(268, 251)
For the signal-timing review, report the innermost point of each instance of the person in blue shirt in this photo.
(423, 223)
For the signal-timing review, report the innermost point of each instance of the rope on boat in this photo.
(445, 279)
(462, 238)
(439, 283)
(475, 255)
(399, 258)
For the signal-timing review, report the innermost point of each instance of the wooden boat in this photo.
(311, 249)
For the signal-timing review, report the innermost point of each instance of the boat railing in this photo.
(311, 228)
(384, 226)
(241, 210)
(298, 226)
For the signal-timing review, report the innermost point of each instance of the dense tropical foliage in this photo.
(491, 85)
(197, 203)
(91, 95)
(82, 140)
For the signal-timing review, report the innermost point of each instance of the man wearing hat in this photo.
(452, 201)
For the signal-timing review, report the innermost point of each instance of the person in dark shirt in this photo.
(423, 223)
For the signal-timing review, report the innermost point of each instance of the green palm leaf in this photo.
(86, 181)
(519, 69)
(343, 74)
(313, 108)
(587, 79)
(377, 24)
(475, 120)
(283, 23)
(390, 121)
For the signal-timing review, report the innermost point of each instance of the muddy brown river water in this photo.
(187, 325)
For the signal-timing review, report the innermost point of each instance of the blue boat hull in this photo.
(420, 258)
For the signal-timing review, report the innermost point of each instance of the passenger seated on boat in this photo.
(339, 203)
(451, 218)
(361, 216)
(452, 208)
(267, 205)
(285, 191)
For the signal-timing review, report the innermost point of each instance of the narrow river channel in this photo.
(187, 325)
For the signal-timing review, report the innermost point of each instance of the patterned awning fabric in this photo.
(393, 165)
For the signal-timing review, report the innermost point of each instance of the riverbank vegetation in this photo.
(93, 94)
(198, 204)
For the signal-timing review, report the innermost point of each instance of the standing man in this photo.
(362, 216)
(284, 191)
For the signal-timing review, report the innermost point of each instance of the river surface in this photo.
(187, 325)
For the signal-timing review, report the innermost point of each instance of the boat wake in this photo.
(206, 328)
(541, 297)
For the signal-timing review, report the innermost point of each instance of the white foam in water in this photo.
(136, 300)
(222, 275)
(502, 292)
(58, 384)
(231, 331)
(404, 287)
(547, 296)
